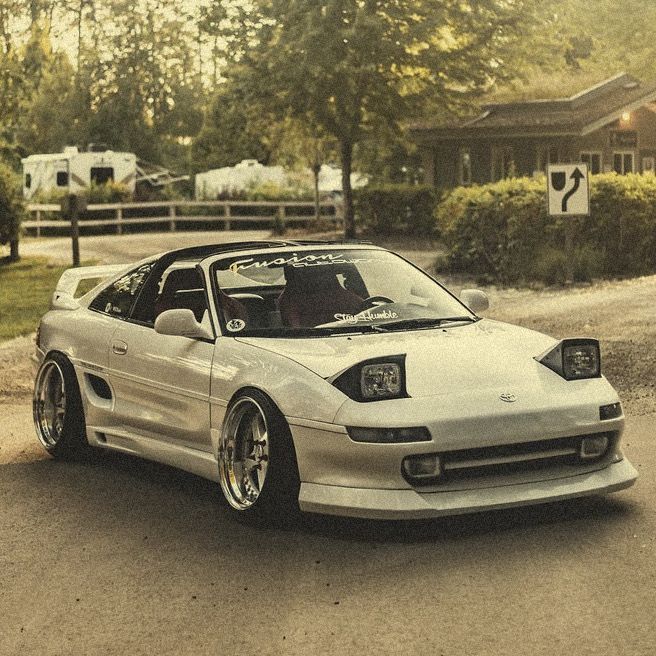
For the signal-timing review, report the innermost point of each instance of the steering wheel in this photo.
(372, 301)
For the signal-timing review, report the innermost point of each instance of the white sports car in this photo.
(334, 378)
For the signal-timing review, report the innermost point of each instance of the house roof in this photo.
(577, 115)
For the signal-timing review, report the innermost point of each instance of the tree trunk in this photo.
(13, 251)
(349, 217)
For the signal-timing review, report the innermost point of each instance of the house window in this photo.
(593, 160)
(623, 162)
(547, 155)
(503, 162)
(28, 180)
(464, 167)
(648, 165)
(102, 174)
(62, 178)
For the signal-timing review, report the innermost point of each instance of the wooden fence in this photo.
(175, 213)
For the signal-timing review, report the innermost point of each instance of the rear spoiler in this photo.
(63, 297)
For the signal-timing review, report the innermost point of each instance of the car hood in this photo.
(438, 360)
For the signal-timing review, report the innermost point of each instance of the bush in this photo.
(397, 209)
(11, 208)
(108, 192)
(501, 231)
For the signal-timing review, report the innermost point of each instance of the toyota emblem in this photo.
(508, 397)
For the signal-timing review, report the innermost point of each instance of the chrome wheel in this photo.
(50, 404)
(244, 453)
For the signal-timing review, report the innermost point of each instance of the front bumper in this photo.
(412, 504)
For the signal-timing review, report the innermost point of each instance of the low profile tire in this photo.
(258, 471)
(57, 409)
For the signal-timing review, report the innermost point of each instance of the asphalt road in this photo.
(121, 556)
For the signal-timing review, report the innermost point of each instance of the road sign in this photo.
(568, 190)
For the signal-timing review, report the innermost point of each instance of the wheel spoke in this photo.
(244, 454)
(50, 404)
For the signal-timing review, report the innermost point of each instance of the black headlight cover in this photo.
(348, 382)
(560, 357)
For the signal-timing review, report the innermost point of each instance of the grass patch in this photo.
(26, 287)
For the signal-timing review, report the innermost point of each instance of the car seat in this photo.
(314, 295)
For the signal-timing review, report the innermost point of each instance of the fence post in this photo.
(119, 219)
(38, 223)
(227, 214)
(172, 217)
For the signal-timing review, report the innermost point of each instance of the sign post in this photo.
(71, 207)
(568, 195)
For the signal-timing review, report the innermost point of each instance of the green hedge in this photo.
(396, 209)
(502, 233)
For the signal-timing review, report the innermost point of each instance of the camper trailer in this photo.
(250, 173)
(73, 171)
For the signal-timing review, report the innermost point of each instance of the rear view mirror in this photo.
(181, 323)
(476, 300)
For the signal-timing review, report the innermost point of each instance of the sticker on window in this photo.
(296, 261)
(235, 325)
(367, 315)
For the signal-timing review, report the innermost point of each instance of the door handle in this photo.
(119, 347)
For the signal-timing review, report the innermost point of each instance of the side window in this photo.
(28, 180)
(179, 287)
(62, 178)
(117, 299)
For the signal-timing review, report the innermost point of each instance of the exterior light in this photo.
(422, 468)
(626, 117)
(389, 435)
(593, 447)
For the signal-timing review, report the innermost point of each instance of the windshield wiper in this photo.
(327, 331)
(423, 322)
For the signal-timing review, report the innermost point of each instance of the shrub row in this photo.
(396, 209)
(502, 232)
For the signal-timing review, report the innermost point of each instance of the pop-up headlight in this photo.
(374, 380)
(380, 381)
(574, 359)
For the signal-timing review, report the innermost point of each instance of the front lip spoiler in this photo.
(411, 504)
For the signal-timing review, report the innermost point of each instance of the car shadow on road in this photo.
(143, 492)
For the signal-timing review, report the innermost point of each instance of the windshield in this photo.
(332, 291)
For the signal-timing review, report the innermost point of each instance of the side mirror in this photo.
(181, 323)
(476, 300)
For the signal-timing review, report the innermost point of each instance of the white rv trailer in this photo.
(73, 171)
(250, 173)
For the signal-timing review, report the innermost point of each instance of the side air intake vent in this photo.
(100, 387)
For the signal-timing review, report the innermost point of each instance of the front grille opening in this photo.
(523, 458)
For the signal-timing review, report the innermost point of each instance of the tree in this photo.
(234, 129)
(11, 210)
(296, 144)
(350, 66)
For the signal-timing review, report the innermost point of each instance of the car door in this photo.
(162, 382)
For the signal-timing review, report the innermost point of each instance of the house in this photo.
(610, 126)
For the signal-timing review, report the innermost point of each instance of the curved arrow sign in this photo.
(568, 190)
